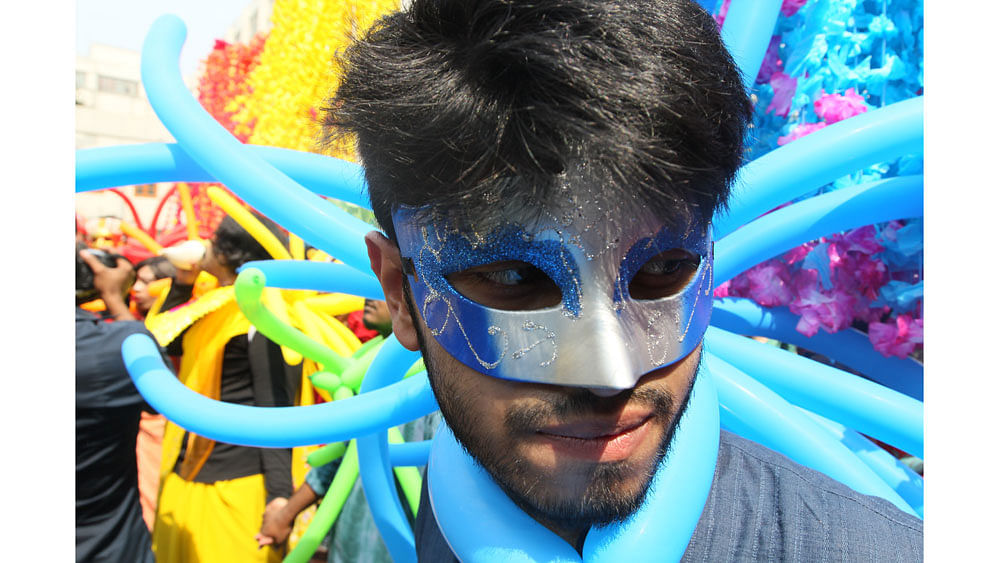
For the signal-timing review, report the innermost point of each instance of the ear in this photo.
(388, 268)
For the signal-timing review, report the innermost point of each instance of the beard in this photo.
(604, 500)
(604, 497)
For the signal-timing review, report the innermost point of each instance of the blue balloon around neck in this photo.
(480, 523)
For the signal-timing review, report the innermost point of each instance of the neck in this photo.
(226, 278)
(573, 535)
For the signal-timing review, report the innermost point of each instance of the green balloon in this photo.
(326, 454)
(417, 367)
(355, 372)
(342, 392)
(326, 380)
(408, 477)
(249, 287)
(329, 508)
(373, 343)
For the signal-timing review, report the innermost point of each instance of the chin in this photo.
(581, 493)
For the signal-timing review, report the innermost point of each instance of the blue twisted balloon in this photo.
(271, 427)
(850, 347)
(907, 483)
(868, 407)
(481, 524)
(316, 220)
(747, 32)
(320, 276)
(108, 167)
(855, 206)
(804, 166)
(389, 365)
(756, 412)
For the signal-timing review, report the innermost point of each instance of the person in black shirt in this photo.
(109, 525)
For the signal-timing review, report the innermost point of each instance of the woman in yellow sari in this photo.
(213, 494)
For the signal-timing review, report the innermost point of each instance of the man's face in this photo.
(565, 455)
(562, 348)
(376, 316)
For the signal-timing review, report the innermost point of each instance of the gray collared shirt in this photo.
(765, 507)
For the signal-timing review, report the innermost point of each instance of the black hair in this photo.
(234, 246)
(159, 265)
(85, 290)
(461, 104)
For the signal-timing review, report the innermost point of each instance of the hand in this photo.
(276, 525)
(109, 282)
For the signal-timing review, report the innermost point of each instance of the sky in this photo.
(124, 24)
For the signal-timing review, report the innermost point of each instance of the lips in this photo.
(598, 440)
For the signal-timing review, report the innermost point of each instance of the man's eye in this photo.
(509, 285)
(512, 276)
(664, 275)
(660, 267)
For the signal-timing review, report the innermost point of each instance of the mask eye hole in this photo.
(664, 275)
(510, 285)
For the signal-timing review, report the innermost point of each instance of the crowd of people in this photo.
(146, 486)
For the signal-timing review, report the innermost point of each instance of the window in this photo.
(145, 190)
(117, 86)
(81, 79)
(253, 22)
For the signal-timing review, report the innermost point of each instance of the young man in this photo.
(109, 525)
(545, 173)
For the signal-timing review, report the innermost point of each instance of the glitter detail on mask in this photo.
(711, 277)
(655, 339)
(492, 330)
(549, 335)
(645, 249)
(445, 251)
(705, 274)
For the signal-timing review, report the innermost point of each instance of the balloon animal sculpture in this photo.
(811, 412)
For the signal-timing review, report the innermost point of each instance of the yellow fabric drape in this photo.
(202, 372)
(211, 522)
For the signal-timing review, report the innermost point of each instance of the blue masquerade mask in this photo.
(576, 297)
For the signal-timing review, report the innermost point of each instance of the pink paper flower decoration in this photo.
(798, 253)
(772, 62)
(720, 18)
(831, 310)
(832, 108)
(800, 130)
(899, 339)
(784, 89)
(723, 289)
(770, 283)
(862, 239)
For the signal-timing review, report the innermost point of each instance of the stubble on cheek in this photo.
(495, 421)
(499, 430)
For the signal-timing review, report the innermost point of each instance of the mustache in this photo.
(574, 402)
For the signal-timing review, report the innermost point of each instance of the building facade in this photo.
(112, 109)
(255, 18)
